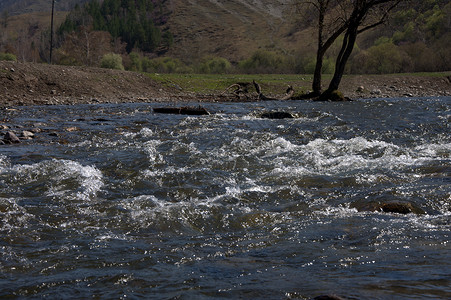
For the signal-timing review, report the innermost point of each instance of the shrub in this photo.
(383, 58)
(8, 57)
(135, 62)
(167, 65)
(423, 58)
(112, 61)
(328, 65)
(263, 61)
(147, 65)
(214, 65)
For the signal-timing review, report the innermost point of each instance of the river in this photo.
(113, 201)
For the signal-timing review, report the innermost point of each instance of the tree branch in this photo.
(383, 18)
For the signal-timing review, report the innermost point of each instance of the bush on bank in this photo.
(112, 61)
(7, 56)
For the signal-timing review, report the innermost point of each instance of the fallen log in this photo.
(276, 115)
(185, 110)
(241, 90)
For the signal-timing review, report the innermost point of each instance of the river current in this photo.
(113, 201)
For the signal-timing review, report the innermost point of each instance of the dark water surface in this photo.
(132, 204)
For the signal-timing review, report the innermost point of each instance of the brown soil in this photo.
(396, 85)
(31, 84)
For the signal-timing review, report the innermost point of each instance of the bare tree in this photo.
(364, 15)
(335, 17)
(331, 24)
(85, 47)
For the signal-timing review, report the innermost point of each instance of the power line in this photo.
(51, 32)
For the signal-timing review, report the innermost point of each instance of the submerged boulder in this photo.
(400, 208)
(327, 297)
(397, 207)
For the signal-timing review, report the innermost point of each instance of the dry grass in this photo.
(233, 29)
(27, 22)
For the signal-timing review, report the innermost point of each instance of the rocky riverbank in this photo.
(40, 84)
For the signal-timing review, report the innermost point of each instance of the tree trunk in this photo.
(345, 52)
(348, 46)
(317, 76)
(316, 85)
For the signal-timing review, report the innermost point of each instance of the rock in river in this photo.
(28, 135)
(327, 297)
(398, 207)
(11, 138)
(276, 115)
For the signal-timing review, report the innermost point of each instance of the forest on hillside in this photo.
(137, 23)
(135, 35)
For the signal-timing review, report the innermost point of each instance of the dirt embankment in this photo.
(31, 84)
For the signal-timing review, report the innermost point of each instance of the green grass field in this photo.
(271, 84)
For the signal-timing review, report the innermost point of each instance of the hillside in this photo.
(233, 29)
(416, 39)
(18, 7)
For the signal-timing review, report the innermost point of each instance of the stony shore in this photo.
(42, 84)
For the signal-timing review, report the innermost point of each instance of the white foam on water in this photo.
(247, 145)
(434, 150)
(101, 143)
(148, 210)
(151, 150)
(89, 178)
(146, 132)
(341, 212)
(170, 170)
(13, 215)
(142, 207)
(180, 147)
(86, 181)
(4, 162)
(278, 146)
(356, 155)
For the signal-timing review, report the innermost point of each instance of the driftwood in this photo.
(241, 92)
(288, 94)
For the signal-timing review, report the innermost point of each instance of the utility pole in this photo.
(51, 32)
